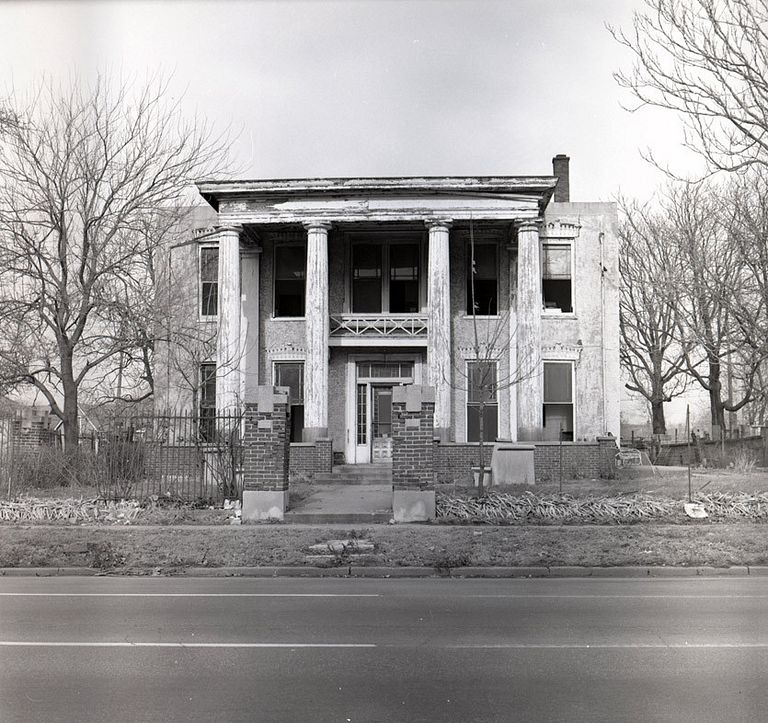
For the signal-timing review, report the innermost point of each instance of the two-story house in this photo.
(342, 288)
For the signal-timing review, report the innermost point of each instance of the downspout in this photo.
(601, 237)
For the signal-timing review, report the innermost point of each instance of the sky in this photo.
(387, 88)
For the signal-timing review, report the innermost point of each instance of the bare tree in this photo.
(708, 61)
(709, 283)
(89, 174)
(651, 354)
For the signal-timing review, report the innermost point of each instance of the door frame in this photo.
(359, 454)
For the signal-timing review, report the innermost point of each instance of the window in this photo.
(484, 271)
(209, 281)
(207, 401)
(556, 283)
(291, 375)
(290, 274)
(481, 390)
(385, 277)
(558, 401)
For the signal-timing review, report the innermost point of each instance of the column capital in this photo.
(444, 223)
(528, 224)
(316, 225)
(229, 228)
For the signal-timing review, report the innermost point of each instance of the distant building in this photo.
(341, 288)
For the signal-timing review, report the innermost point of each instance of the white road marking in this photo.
(180, 594)
(125, 644)
(617, 597)
(603, 646)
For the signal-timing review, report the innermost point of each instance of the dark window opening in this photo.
(207, 402)
(366, 278)
(403, 278)
(291, 375)
(482, 393)
(484, 273)
(556, 286)
(209, 281)
(290, 274)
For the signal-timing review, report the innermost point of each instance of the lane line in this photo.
(124, 644)
(616, 597)
(605, 646)
(182, 594)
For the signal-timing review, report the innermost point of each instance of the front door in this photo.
(381, 423)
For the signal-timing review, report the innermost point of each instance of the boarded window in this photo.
(209, 281)
(558, 401)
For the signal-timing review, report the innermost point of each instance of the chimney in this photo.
(560, 170)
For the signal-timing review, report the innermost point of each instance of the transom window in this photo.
(558, 401)
(291, 375)
(209, 280)
(483, 272)
(482, 394)
(290, 275)
(556, 286)
(385, 277)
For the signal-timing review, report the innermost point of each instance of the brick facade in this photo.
(311, 458)
(413, 410)
(579, 460)
(266, 446)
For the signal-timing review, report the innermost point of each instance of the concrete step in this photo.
(335, 479)
(340, 518)
(357, 474)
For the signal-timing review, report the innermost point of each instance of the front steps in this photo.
(357, 474)
(353, 494)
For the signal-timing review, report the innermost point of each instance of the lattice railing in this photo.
(379, 325)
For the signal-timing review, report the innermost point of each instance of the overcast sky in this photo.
(374, 88)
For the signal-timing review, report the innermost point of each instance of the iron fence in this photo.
(170, 456)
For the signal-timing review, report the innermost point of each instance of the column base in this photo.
(261, 505)
(312, 434)
(413, 505)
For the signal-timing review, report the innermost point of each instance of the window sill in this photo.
(207, 319)
(555, 314)
(287, 318)
(481, 316)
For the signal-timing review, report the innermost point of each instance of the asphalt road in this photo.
(158, 649)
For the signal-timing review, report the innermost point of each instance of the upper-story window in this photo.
(483, 275)
(208, 292)
(290, 275)
(556, 277)
(385, 277)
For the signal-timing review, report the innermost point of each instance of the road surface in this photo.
(165, 649)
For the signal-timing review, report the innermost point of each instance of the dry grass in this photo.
(147, 549)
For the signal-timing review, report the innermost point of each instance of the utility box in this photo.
(512, 463)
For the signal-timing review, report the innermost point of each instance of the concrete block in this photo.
(413, 505)
(513, 464)
(264, 424)
(264, 505)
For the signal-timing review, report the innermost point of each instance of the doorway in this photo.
(373, 407)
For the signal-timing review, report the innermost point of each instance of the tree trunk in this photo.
(716, 406)
(70, 406)
(481, 481)
(657, 416)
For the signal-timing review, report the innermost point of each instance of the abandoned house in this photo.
(498, 292)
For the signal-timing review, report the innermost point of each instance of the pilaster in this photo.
(317, 332)
(528, 313)
(439, 323)
(228, 343)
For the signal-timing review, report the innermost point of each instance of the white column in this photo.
(228, 343)
(439, 323)
(529, 310)
(512, 346)
(317, 332)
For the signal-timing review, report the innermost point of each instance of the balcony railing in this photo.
(375, 325)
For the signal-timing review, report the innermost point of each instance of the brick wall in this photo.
(310, 458)
(413, 411)
(579, 459)
(266, 445)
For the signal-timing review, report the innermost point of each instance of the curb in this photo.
(400, 572)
